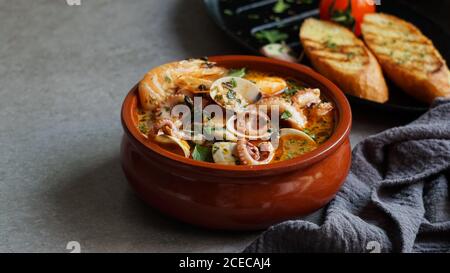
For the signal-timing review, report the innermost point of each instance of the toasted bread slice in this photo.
(340, 56)
(407, 56)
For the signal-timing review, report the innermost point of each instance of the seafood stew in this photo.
(232, 116)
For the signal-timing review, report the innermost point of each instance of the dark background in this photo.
(437, 10)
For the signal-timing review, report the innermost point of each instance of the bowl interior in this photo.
(296, 71)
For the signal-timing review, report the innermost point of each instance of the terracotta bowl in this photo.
(239, 197)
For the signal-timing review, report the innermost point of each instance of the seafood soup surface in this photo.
(199, 110)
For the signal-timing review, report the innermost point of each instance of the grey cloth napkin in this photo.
(395, 198)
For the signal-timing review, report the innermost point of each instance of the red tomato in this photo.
(349, 13)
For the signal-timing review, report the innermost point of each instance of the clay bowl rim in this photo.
(333, 93)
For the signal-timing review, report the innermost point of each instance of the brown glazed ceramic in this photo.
(239, 197)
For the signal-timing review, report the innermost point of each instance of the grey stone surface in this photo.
(64, 72)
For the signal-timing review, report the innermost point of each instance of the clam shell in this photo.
(278, 51)
(234, 93)
(291, 131)
(261, 133)
(166, 139)
(224, 153)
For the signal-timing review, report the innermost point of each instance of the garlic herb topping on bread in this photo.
(339, 55)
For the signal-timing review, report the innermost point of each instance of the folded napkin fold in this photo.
(395, 198)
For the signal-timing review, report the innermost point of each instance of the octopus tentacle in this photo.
(306, 97)
(266, 150)
(251, 154)
(250, 124)
(171, 134)
(166, 126)
(293, 115)
(323, 109)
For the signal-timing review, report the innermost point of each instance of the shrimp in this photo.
(194, 76)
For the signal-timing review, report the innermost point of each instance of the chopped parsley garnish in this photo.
(202, 153)
(233, 83)
(294, 84)
(271, 36)
(237, 72)
(228, 12)
(286, 115)
(167, 79)
(290, 155)
(208, 130)
(290, 91)
(350, 55)
(231, 94)
(330, 44)
(143, 128)
(280, 6)
(309, 133)
(230, 85)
